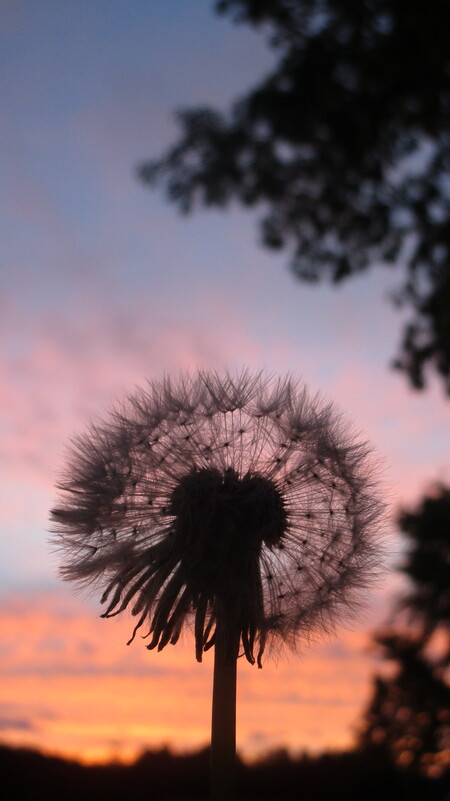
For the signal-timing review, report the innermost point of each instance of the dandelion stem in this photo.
(223, 729)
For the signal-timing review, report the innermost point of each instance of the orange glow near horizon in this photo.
(70, 686)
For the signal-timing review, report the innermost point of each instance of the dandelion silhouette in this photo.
(239, 504)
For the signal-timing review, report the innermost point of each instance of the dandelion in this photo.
(240, 505)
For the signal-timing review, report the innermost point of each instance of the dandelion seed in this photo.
(221, 532)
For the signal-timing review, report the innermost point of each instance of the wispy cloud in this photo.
(15, 724)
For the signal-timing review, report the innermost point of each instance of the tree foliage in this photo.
(346, 148)
(408, 716)
(427, 564)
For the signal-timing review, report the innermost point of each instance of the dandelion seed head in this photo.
(239, 500)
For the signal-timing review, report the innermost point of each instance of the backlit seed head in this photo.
(234, 499)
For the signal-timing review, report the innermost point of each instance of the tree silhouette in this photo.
(409, 712)
(345, 146)
(342, 776)
(427, 565)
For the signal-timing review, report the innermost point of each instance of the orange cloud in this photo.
(70, 685)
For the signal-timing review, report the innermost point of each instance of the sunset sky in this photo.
(103, 286)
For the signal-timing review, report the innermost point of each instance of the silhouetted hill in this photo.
(351, 776)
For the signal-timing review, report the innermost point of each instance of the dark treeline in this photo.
(352, 776)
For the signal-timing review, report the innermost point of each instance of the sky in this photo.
(103, 286)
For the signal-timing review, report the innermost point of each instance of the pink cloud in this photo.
(410, 430)
(66, 370)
